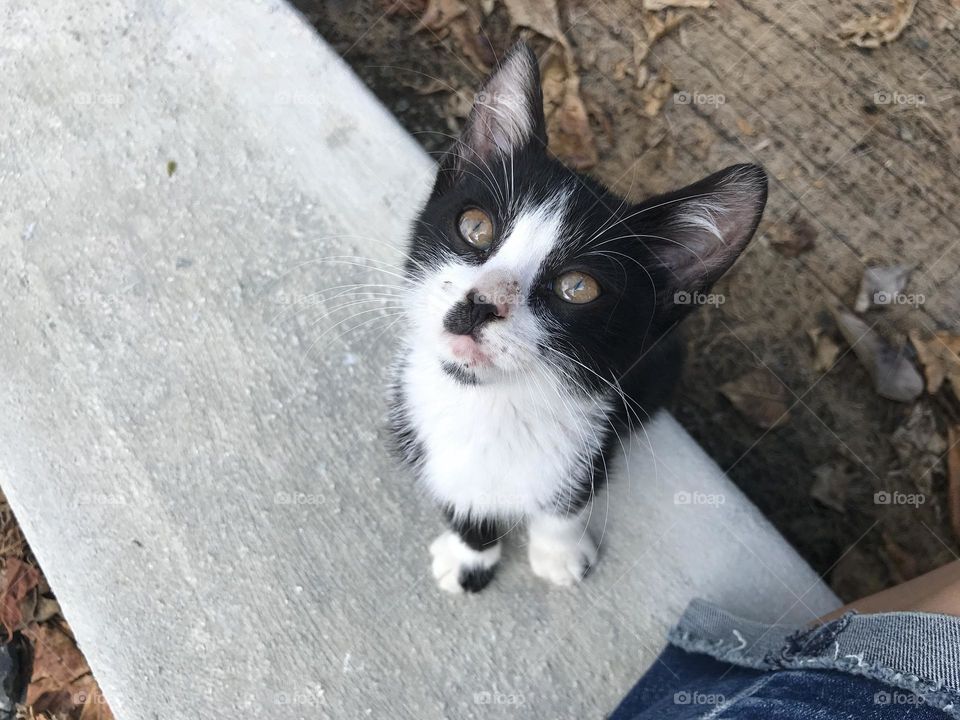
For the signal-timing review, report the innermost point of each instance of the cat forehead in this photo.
(536, 231)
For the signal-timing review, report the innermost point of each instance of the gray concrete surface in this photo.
(194, 445)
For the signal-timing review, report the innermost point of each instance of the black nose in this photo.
(469, 315)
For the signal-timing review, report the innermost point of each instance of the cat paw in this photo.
(562, 558)
(457, 567)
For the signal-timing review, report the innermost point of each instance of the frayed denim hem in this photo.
(915, 652)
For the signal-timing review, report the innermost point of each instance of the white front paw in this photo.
(457, 567)
(562, 558)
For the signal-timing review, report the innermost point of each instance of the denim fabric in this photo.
(875, 667)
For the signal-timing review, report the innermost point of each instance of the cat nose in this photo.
(481, 309)
(470, 314)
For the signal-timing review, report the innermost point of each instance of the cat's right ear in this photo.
(507, 115)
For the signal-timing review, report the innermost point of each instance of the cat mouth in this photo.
(467, 351)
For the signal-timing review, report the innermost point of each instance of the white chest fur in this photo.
(505, 449)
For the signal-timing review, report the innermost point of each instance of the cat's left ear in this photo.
(507, 115)
(696, 233)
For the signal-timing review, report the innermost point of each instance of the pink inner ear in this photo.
(706, 232)
(508, 111)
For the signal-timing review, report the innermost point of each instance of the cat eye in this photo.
(476, 227)
(576, 287)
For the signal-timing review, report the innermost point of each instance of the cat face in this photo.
(521, 266)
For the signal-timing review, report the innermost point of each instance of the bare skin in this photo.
(936, 592)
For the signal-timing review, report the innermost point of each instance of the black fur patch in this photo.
(460, 373)
(475, 579)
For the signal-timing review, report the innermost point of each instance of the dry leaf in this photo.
(745, 127)
(657, 27)
(792, 237)
(875, 30)
(568, 124)
(456, 18)
(894, 376)
(540, 16)
(56, 656)
(656, 93)
(760, 397)
(825, 350)
(940, 357)
(654, 5)
(62, 685)
(953, 478)
(19, 583)
(919, 447)
(881, 286)
(830, 484)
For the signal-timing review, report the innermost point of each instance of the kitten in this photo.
(539, 328)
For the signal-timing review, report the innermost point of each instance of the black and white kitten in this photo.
(539, 327)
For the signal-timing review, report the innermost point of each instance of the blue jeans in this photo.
(860, 667)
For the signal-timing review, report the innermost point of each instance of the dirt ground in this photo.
(863, 149)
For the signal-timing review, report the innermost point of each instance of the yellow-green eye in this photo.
(576, 287)
(476, 227)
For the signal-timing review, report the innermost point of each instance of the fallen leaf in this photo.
(542, 17)
(19, 581)
(940, 357)
(830, 484)
(875, 30)
(825, 350)
(57, 664)
(568, 124)
(47, 608)
(881, 286)
(654, 5)
(658, 27)
(459, 20)
(62, 685)
(920, 447)
(656, 93)
(760, 397)
(95, 707)
(894, 376)
(953, 478)
(745, 127)
(793, 237)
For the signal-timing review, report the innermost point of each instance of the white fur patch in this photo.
(512, 445)
(452, 556)
(560, 550)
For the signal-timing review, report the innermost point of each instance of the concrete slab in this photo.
(191, 413)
